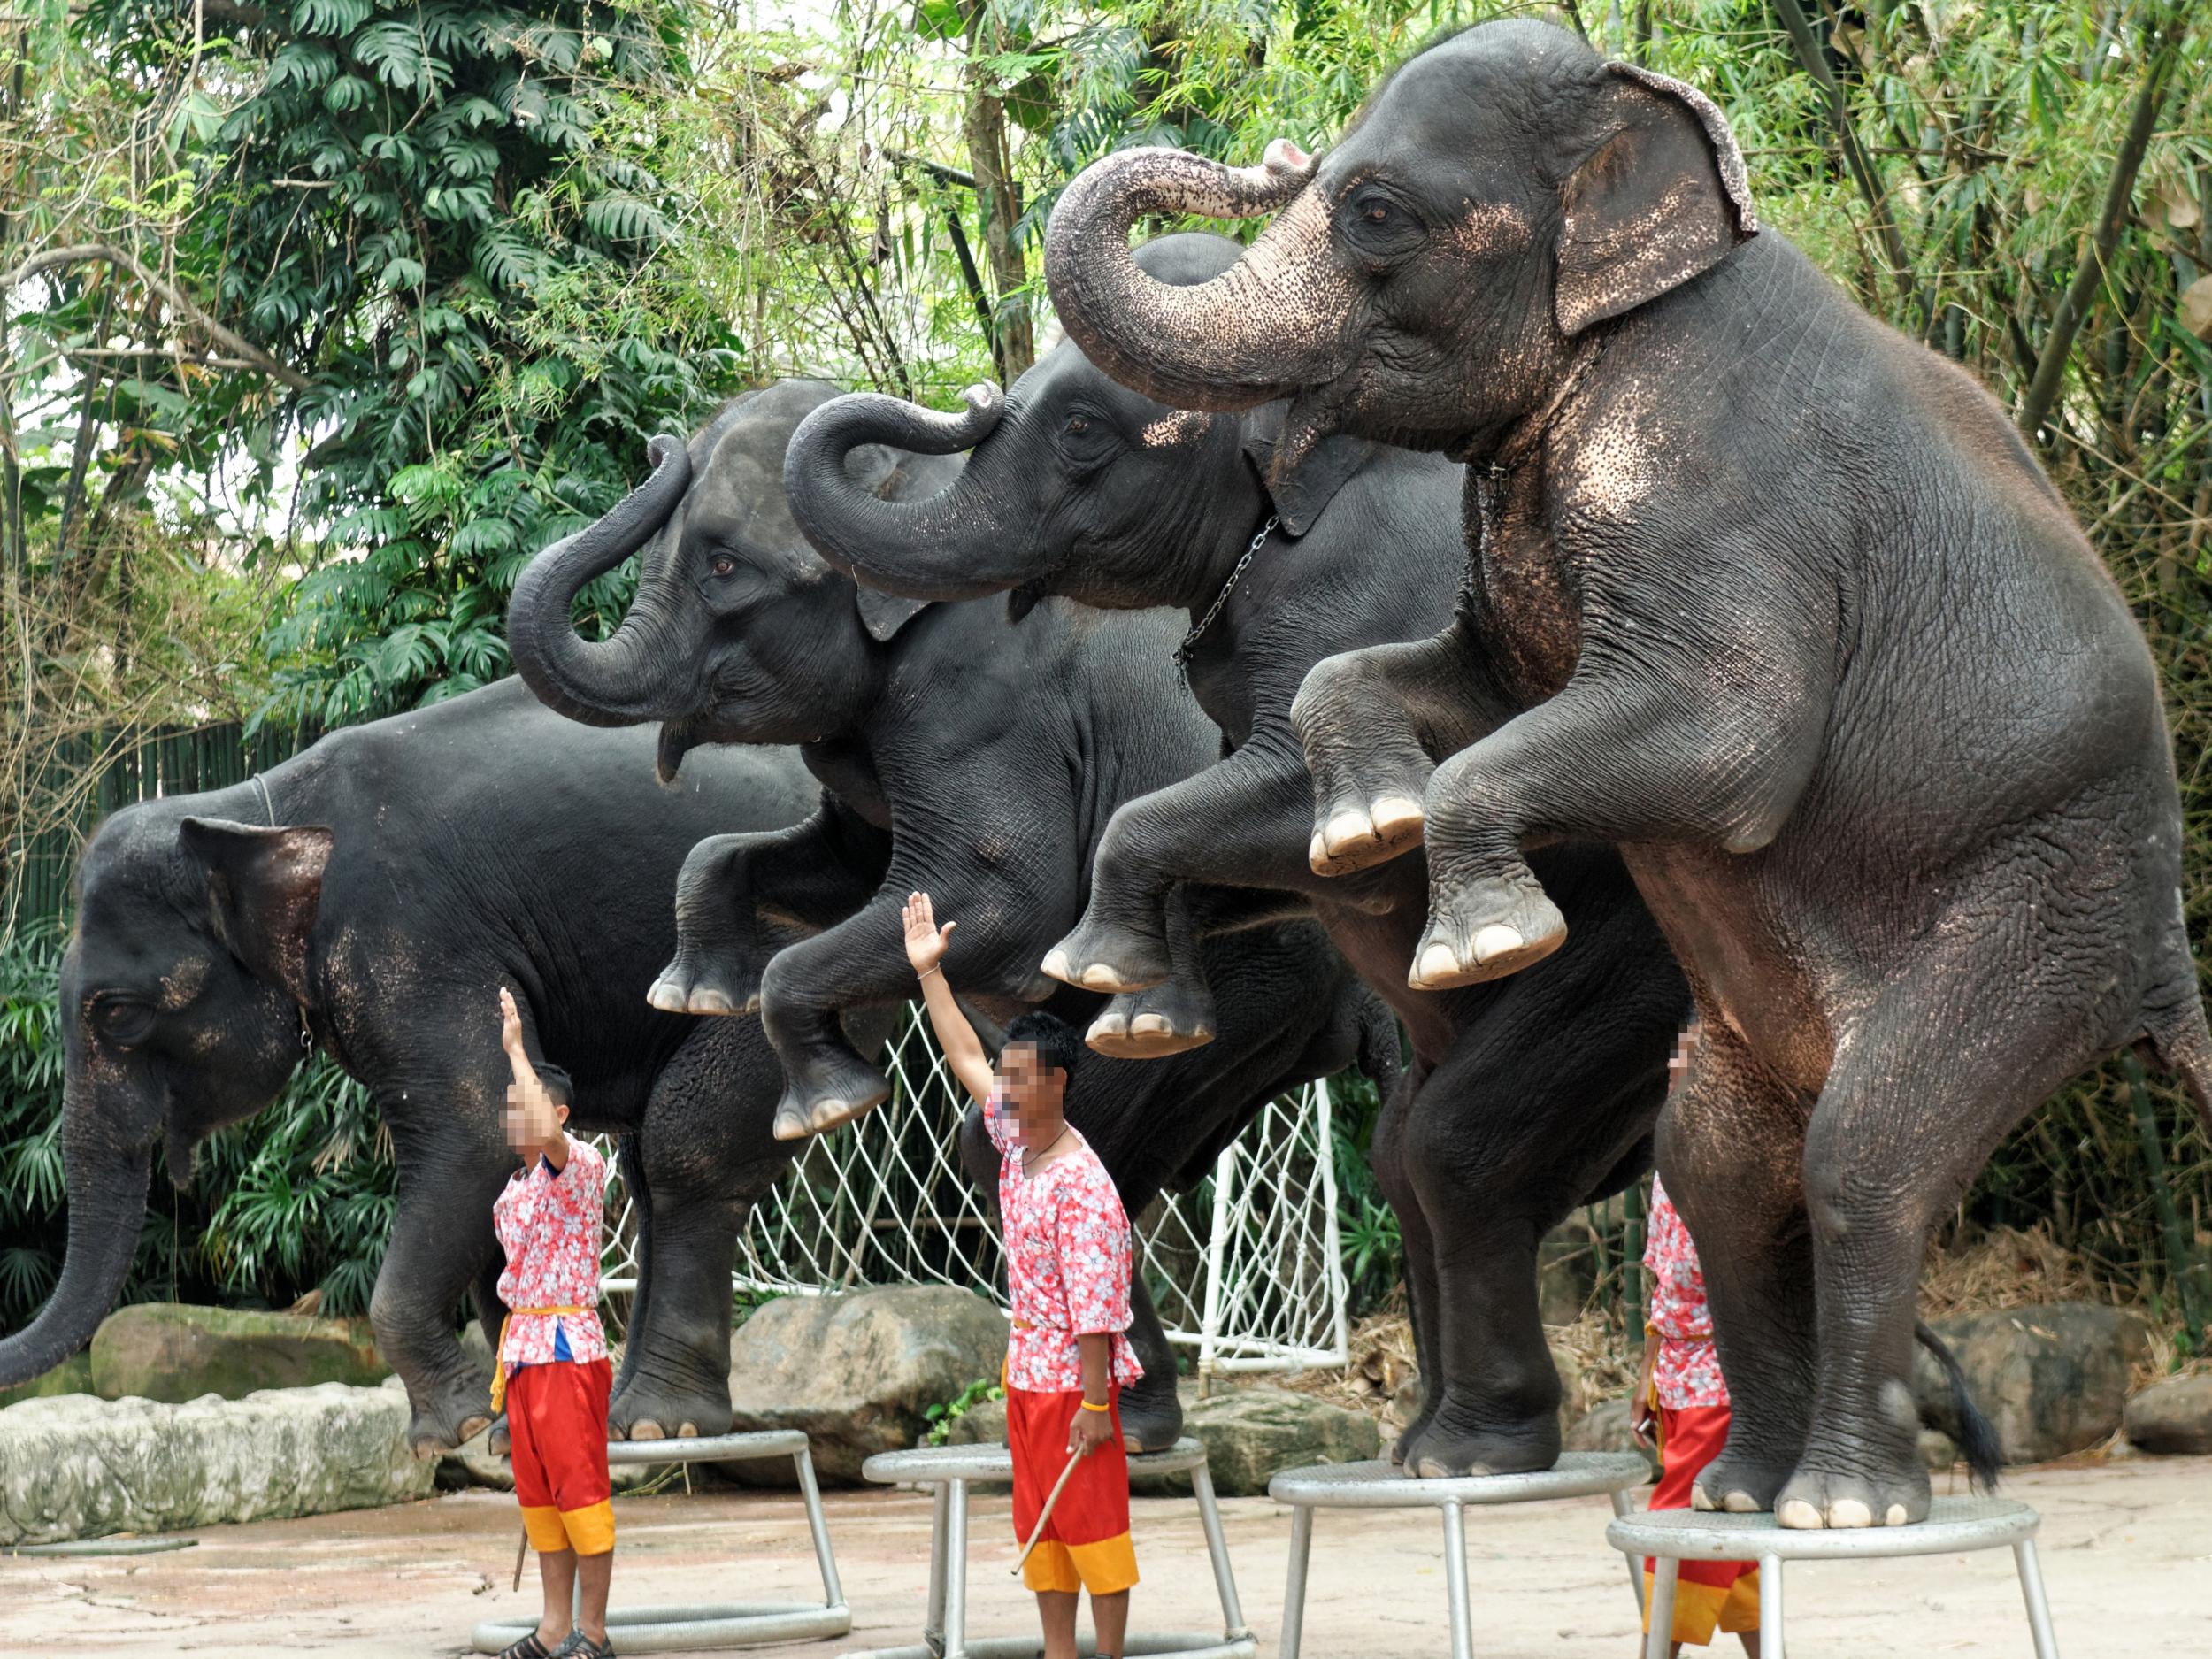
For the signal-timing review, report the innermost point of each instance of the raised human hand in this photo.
(510, 1022)
(925, 942)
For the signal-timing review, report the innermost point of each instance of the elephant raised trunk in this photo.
(957, 544)
(1272, 323)
(620, 682)
(107, 1208)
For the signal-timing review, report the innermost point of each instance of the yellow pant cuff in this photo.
(1702, 1609)
(1106, 1568)
(543, 1525)
(590, 1530)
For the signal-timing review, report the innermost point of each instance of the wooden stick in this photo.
(521, 1550)
(1045, 1515)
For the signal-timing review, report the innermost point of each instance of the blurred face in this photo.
(1033, 1093)
(520, 1135)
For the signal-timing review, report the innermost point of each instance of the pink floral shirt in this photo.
(1686, 1372)
(548, 1223)
(1067, 1262)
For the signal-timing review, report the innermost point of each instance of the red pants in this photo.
(557, 1415)
(1086, 1544)
(1709, 1595)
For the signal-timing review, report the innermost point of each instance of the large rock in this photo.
(174, 1352)
(73, 1376)
(2052, 1378)
(1250, 1434)
(2173, 1416)
(80, 1467)
(858, 1371)
(1605, 1429)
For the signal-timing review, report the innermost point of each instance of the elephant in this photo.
(1524, 1097)
(370, 896)
(1788, 612)
(991, 755)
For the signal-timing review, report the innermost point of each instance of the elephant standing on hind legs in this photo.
(1526, 1097)
(1790, 615)
(990, 751)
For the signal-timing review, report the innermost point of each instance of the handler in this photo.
(553, 1372)
(1067, 1266)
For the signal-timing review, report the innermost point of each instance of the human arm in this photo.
(1093, 1424)
(542, 1132)
(925, 947)
(1641, 1420)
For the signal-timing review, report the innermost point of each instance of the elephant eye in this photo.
(722, 564)
(1077, 424)
(123, 1020)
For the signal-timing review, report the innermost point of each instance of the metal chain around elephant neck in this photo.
(1190, 641)
(1489, 479)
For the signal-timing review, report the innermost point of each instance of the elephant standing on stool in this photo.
(1790, 615)
(1524, 1098)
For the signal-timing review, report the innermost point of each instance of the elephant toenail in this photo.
(1849, 1512)
(669, 997)
(1700, 1499)
(1799, 1515)
(1496, 940)
(1150, 1024)
(1740, 1503)
(1394, 814)
(1099, 977)
(1346, 828)
(1895, 1516)
(1055, 966)
(1437, 964)
(711, 1001)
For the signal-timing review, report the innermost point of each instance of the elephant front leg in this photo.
(441, 1238)
(1371, 722)
(1394, 1176)
(1615, 756)
(807, 877)
(1151, 1411)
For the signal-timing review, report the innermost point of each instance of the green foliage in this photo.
(298, 1198)
(941, 1416)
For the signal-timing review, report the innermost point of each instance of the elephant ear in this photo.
(1299, 490)
(263, 887)
(884, 472)
(1664, 197)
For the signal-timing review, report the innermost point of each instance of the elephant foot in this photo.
(457, 1412)
(703, 982)
(1446, 1452)
(1151, 1421)
(820, 1096)
(1101, 956)
(1485, 931)
(1738, 1485)
(1818, 1498)
(1169, 1018)
(1407, 1447)
(501, 1442)
(1358, 832)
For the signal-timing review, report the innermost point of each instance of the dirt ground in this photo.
(2127, 1552)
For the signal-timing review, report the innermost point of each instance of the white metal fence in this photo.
(1247, 1268)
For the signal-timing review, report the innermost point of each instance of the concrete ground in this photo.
(2127, 1554)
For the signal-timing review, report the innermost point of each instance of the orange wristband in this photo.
(1088, 1406)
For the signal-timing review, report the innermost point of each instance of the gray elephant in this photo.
(371, 896)
(1792, 616)
(992, 757)
(1526, 1097)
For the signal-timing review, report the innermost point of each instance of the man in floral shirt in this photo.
(553, 1373)
(1681, 1382)
(1067, 1267)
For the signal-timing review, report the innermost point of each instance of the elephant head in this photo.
(1076, 485)
(1428, 281)
(182, 993)
(739, 632)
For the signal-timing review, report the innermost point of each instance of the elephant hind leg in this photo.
(1952, 1055)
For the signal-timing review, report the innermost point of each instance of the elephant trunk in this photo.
(107, 1208)
(1272, 323)
(628, 679)
(957, 544)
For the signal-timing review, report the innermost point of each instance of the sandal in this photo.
(580, 1646)
(529, 1647)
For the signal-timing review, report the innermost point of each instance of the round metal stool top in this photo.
(1953, 1525)
(1381, 1485)
(930, 1465)
(700, 1448)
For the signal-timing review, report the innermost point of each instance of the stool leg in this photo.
(1295, 1588)
(956, 1570)
(817, 1523)
(2031, 1592)
(1217, 1548)
(1622, 1505)
(934, 1621)
(1455, 1581)
(1664, 1570)
(1771, 1606)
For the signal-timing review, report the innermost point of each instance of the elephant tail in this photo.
(1378, 1056)
(1978, 1440)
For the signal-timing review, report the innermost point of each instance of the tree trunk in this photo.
(1013, 341)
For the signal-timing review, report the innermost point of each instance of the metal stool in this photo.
(1382, 1485)
(1954, 1525)
(716, 1625)
(952, 1470)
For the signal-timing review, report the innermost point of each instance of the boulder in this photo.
(1605, 1429)
(858, 1371)
(2052, 1378)
(1937, 1451)
(81, 1467)
(2173, 1416)
(983, 1423)
(1250, 1434)
(73, 1376)
(174, 1352)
